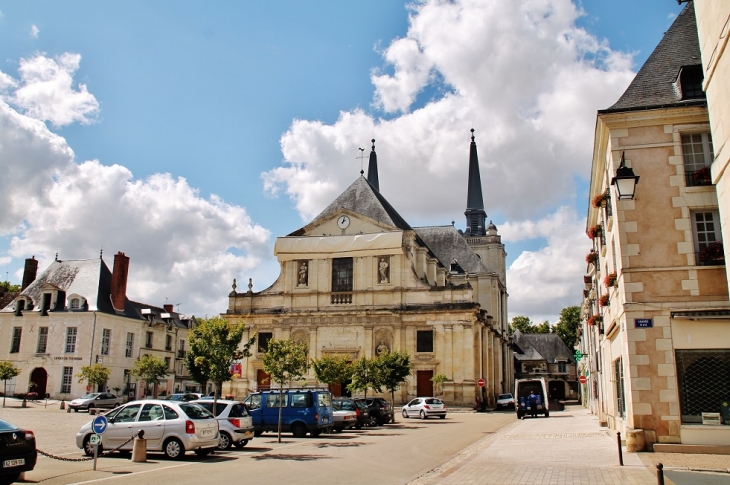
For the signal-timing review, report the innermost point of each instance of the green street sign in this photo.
(578, 355)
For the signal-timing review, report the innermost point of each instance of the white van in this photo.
(523, 387)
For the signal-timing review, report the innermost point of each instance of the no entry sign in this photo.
(481, 382)
(582, 379)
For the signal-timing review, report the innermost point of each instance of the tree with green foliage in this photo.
(214, 345)
(95, 375)
(332, 369)
(438, 383)
(567, 327)
(9, 288)
(366, 375)
(149, 369)
(7, 372)
(286, 361)
(395, 367)
(521, 323)
(544, 327)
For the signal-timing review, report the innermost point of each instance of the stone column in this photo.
(448, 362)
(490, 369)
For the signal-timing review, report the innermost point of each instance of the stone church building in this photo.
(359, 280)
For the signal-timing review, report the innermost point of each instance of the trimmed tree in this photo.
(395, 367)
(94, 375)
(366, 375)
(149, 369)
(286, 361)
(7, 372)
(331, 369)
(214, 344)
(438, 383)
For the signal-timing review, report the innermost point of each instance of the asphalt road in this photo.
(392, 454)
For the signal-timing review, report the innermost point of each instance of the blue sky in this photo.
(256, 110)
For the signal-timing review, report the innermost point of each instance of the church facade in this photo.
(359, 280)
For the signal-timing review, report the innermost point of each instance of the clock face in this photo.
(343, 222)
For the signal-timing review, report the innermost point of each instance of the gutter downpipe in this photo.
(93, 336)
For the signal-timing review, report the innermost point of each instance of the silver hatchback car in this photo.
(171, 427)
(234, 423)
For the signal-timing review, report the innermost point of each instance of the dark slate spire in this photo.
(475, 216)
(373, 169)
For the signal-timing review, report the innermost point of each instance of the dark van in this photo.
(302, 411)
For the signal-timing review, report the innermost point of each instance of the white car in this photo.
(342, 418)
(234, 423)
(505, 400)
(171, 427)
(424, 407)
(95, 400)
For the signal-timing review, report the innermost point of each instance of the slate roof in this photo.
(448, 245)
(362, 198)
(541, 346)
(653, 85)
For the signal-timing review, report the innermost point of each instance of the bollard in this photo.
(139, 450)
(620, 451)
(68, 410)
(25, 403)
(659, 474)
(63, 404)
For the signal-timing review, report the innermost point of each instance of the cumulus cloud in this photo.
(46, 91)
(543, 282)
(34, 31)
(182, 246)
(524, 75)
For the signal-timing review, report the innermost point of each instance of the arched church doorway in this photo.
(38, 380)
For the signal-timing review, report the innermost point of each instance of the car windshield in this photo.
(196, 412)
(505, 396)
(175, 397)
(5, 426)
(90, 396)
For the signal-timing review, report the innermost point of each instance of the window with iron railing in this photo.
(341, 281)
(697, 153)
(709, 250)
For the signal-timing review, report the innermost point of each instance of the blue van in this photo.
(303, 411)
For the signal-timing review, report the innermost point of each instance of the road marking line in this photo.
(131, 474)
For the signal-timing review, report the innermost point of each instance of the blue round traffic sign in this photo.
(99, 425)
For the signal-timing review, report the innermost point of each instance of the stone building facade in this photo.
(76, 313)
(656, 328)
(359, 280)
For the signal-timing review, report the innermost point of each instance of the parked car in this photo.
(424, 407)
(523, 387)
(172, 427)
(183, 396)
(380, 409)
(17, 452)
(360, 408)
(303, 410)
(95, 400)
(343, 418)
(235, 425)
(505, 400)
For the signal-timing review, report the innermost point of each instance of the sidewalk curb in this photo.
(688, 469)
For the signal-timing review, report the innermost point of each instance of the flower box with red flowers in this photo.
(599, 201)
(603, 300)
(610, 279)
(595, 320)
(595, 231)
(592, 257)
(712, 253)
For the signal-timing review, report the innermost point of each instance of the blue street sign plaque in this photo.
(99, 425)
(643, 323)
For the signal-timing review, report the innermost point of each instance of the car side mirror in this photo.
(111, 420)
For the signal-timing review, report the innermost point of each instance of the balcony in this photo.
(698, 178)
(341, 298)
(711, 255)
(180, 354)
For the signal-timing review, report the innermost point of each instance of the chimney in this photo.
(30, 272)
(119, 280)
(168, 307)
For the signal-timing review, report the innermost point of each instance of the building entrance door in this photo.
(39, 377)
(424, 385)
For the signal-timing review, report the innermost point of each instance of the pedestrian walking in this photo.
(532, 400)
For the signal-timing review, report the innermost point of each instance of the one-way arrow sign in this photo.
(99, 425)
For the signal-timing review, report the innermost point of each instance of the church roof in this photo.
(449, 246)
(373, 169)
(362, 198)
(474, 199)
(654, 84)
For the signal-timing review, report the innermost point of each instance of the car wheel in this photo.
(241, 443)
(174, 449)
(315, 433)
(76, 410)
(443, 417)
(203, 452)
(404, 413)
(89, 448)
(547, 414)
(258, 433)
(8, 479)
(423, 414)
(299, 430)
(225, 442)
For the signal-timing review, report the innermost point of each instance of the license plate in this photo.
(12, 463)
(207, 432)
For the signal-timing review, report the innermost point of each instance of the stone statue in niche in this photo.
(384, 271)
(303, 274)
(382, 348)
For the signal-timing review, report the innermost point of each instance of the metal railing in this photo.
(698, 178)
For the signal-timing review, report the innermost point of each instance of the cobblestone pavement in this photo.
(567, 448)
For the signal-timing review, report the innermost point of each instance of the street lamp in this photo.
(625, 180)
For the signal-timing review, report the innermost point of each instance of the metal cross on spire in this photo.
(361, 157)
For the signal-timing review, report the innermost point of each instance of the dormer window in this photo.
(74, 304)
(689, 82)
(45, 304)
(19, 307)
